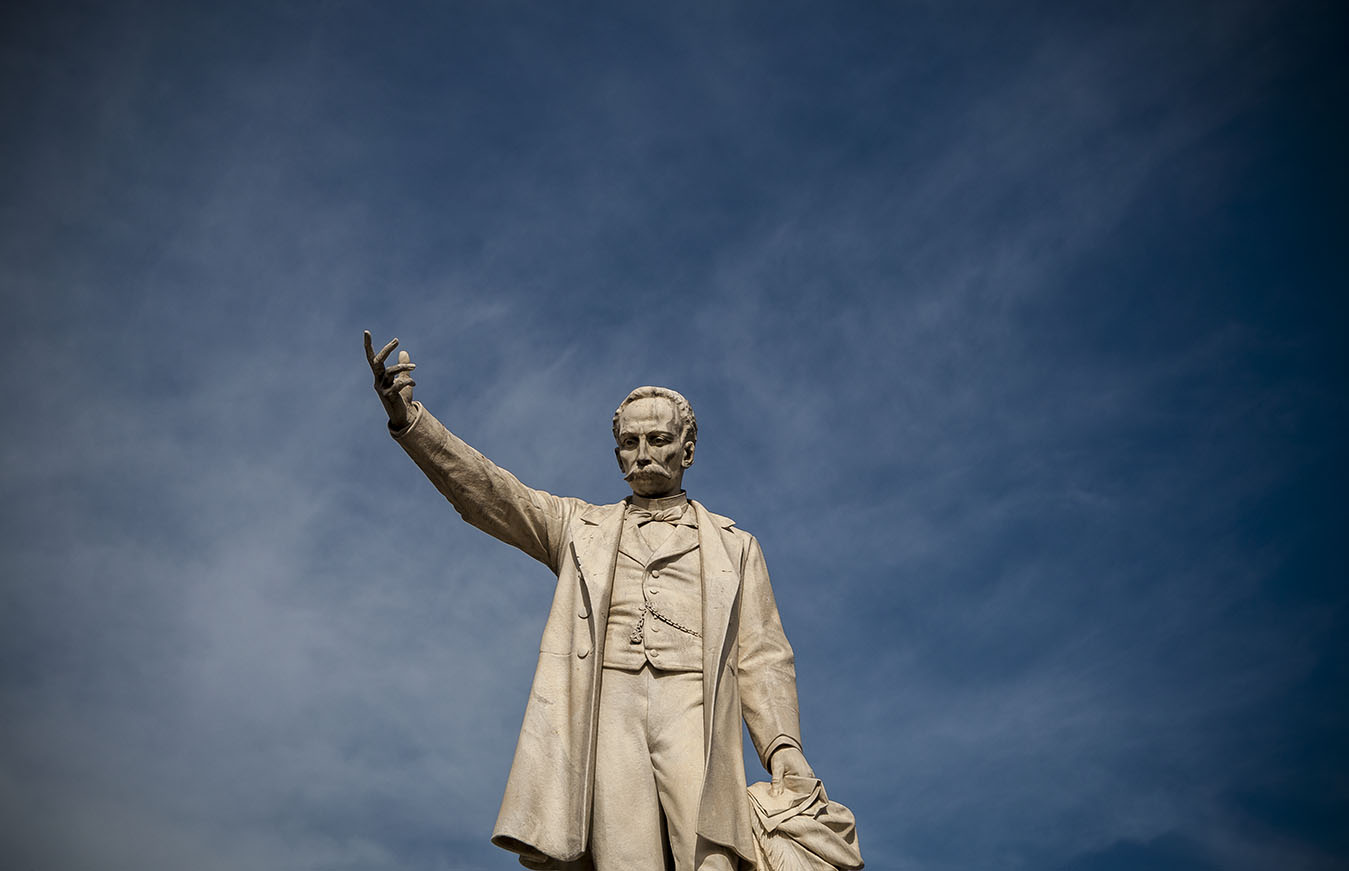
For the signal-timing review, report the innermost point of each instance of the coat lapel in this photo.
(721, 588)
(595, 547)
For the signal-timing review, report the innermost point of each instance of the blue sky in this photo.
(1015, 333)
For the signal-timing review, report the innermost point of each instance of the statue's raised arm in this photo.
(484, 494)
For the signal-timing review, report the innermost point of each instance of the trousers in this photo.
(649, 774)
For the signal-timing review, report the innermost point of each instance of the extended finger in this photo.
(369, 348)
(386, 377)
(384, 352)
(397, 385)
(400, 367)
(405, 360)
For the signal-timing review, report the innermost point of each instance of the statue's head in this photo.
(655, 431)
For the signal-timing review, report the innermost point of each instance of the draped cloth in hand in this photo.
(801, 829)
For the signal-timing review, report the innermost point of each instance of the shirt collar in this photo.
(678, 500)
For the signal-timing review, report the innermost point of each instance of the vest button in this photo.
(655, 592)
(655, 573)
(655, 629)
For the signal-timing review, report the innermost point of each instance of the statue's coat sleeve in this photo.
(767, 664)
(486, 495)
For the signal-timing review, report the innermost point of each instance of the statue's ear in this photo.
(688, 454)
(618, 455)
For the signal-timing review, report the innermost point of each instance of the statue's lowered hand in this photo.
(788, 760)
(393, 383)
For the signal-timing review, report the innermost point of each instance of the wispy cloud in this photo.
(1010, 448)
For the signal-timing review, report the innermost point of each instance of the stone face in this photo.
(663, 637)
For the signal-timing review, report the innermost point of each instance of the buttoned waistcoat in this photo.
(748, 666)
(655, 604)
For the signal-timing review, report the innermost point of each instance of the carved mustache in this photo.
(652, 471)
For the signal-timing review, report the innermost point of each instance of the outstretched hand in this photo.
(393, 383)
(788, 760)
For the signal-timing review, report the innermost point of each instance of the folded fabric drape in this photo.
(801, 829)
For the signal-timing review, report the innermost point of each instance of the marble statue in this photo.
(663, 636)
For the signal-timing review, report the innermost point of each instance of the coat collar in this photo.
(717, 520)
(597, 515)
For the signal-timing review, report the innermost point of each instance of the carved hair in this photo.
(688, 424)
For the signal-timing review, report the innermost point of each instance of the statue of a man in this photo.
(663, 636)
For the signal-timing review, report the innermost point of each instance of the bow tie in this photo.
(667, 515)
